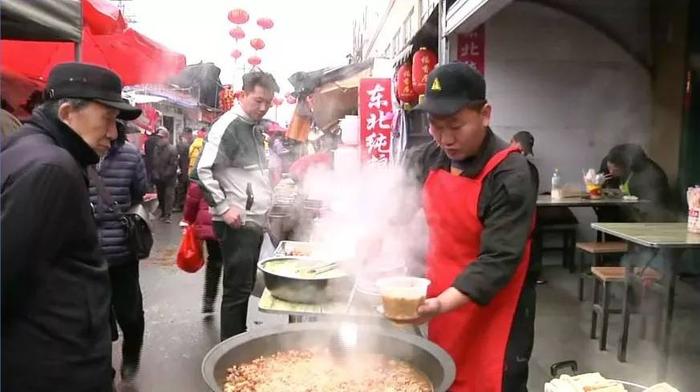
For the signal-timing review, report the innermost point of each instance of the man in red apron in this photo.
(479, 197)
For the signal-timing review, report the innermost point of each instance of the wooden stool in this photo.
(605, 276)
(598, 250)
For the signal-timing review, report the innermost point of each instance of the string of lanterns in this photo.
(411, 78)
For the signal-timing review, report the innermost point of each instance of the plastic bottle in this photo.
(556, 185)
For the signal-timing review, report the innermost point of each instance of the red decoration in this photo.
(470, 48)
(257, 43)
(238, 16)
(375, 113)
(290, 99)
(404, 85)
(254, 60)
(226, 98)
(237, 33)
(277, 101)
(265, 23)
(236, 54)
(424, 60)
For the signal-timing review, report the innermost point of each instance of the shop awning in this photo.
(106, 40)
(470, 14)
(41, 20)
(133, 56)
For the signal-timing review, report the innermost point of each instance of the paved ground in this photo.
(178, 337)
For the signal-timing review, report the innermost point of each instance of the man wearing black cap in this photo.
(479, 198)
(55, 284)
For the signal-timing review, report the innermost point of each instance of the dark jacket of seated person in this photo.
(634, 173)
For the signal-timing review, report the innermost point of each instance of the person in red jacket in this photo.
(197, 213)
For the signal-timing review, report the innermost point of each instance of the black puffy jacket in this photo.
(124, 176)
(55, 282)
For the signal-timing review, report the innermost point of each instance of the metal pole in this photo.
(443, 40)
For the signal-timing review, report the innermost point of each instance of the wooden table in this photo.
(547, 201)
(672, 237)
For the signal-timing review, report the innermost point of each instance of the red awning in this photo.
(107, 41)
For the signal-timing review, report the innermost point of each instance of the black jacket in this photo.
(123, 174)
(55, 284)
(647, 181)
(506, 207)
(164, 161)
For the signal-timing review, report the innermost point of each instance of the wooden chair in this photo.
(597, 250)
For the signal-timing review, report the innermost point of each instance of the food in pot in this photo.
(317, 370)
(401, 296)
(302, 269)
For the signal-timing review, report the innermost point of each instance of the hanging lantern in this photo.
(257, 43)
(290, 99)
(424, 60)
(404, 85)
(238, 16)
(236, 54)
(254, 60)
(237, 33)
(277, 101)
(265, 23)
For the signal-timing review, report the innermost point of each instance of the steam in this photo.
(372, 225)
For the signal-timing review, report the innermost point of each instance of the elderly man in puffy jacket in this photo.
(123, 175)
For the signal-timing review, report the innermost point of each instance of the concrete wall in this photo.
(574, 89)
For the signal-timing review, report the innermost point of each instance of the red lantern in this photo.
(254, 60)
(257, 43)
(265, 23)
(290, 99)
(277, 101)
(404, 85)
(237, 33)
(424, 60)
(238, 16)
(236, 54)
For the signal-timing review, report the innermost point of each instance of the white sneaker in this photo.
(183, 224)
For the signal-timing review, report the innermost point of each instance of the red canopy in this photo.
(107, 41)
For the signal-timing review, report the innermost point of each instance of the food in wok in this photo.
(303, 269)
(318, 370)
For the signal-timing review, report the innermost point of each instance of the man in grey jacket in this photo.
(233, 171)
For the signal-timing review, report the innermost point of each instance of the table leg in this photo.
(626, 311)
(667, 314)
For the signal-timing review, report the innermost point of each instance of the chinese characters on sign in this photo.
(471, 47)
(375, 120)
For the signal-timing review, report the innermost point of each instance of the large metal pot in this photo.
(423, 355)
(304, 290)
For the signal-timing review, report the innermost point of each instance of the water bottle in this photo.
(556, 185)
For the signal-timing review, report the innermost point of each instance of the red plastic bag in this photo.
(189, 256)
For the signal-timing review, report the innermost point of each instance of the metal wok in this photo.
(423, 355)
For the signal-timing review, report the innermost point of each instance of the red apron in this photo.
(475, 336)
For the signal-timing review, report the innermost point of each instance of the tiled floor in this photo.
(177, 337)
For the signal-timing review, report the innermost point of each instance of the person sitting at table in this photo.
(630, 170)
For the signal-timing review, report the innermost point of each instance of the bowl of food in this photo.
(327, 357)
(401, 296)
(304, 280)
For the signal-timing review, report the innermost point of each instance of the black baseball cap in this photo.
(526, 140)
(451, 87)
(91, 82)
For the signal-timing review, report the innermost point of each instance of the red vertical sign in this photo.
(471, 47)
(375, 120)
